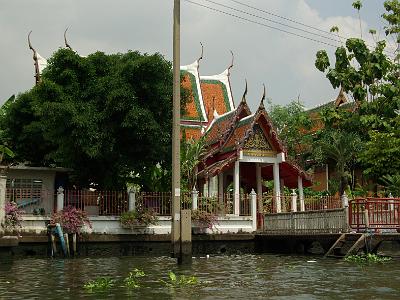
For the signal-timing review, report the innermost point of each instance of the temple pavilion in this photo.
(242, 148)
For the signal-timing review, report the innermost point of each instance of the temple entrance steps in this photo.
(349, 244)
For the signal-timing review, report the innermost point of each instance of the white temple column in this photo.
(277, 188)
(215, 186)
(236, 189)
(221, 188)
(205, 188)
(301, 193)
(259, 179)
(259, 187)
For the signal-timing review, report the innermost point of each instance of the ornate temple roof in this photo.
(240, 131)
(210, 96)
(195, 110)
(217, 94)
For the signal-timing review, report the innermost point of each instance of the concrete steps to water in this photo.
(347, 244)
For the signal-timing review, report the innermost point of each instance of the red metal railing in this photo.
(103, 203)
(114, 203)
(31, 200)
(322, 203)
(245, 205)
(374, 213)
(160, 202)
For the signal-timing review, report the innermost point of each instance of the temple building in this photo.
(242, 148)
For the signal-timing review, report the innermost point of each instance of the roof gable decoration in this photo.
(262, 124)
(193, 72)
(222, 80)
(257, 144)
(218, 87)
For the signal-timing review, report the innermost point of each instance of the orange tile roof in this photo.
(192, 111)
(215, 97)
(238, 134)
(219, 127)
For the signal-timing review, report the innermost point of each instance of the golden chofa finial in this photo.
(65, 39)
(262, 99)
(29, 41)
(245, 93)
(202, 51)
(35, 59)
(231, 65)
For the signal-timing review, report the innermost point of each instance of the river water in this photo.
(221, 277)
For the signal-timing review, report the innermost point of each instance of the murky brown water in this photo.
(222, 277)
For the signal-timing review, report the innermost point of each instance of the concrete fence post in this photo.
(302, 203)
(294, 201)
(131, 200)
(366, 218)
(195, 196)
(60, 198)
(3, 181)
(253, 205)
(391, 202)
(345, 200)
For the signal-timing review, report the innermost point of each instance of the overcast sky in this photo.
(262, 55)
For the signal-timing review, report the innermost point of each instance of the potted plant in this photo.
(141, 217)
(203, 220)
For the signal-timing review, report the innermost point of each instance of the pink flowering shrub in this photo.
(13, 216)
(71, 219)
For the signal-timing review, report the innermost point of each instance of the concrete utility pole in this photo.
(176, 116)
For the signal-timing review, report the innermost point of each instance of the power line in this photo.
(273, 21)
(259, 23)
(303, 24)
(285, 18)
(273, 27)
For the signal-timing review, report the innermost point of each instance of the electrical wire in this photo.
(276, 22)
(276, 28)
(388, 52)
(285, 18)
(259, 23)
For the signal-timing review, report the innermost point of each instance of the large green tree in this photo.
(293, 125)
(370, 76)
(105, 116)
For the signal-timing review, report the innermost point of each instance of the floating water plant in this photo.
(99, 284)
(179, 281)
(132, 280)
(370, 257)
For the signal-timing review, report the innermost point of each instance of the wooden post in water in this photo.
(67, 243)
(53, 244)
(74, 243)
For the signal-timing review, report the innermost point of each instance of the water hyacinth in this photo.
(71, 219)
(13, 216)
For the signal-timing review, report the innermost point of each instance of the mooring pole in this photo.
(176, 116)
